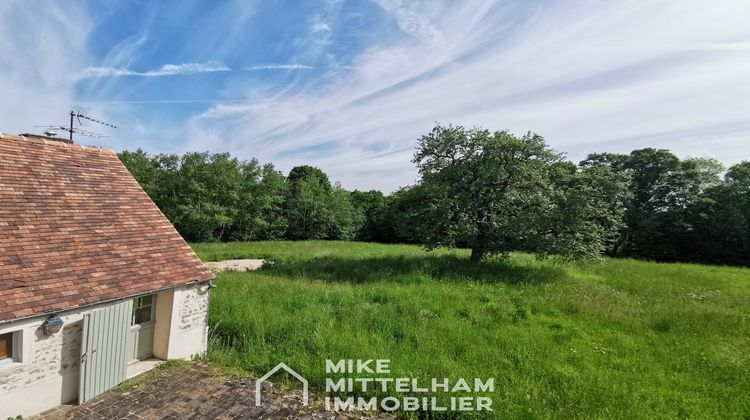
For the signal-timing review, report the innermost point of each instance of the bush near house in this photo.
(623, 339)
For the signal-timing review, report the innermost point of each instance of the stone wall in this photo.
(194, 308)
(44, 356)
(47, 373)
(188, 336)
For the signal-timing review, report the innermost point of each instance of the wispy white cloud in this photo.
(588, 76)
(42, 46)
(319, 25)
(162, 101)
(165, 70)
(411, 18)
(280, 67)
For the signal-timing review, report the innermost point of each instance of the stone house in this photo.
(95, 283)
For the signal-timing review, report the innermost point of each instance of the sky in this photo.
(349, 86)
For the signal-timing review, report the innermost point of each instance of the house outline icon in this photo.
(270, 373)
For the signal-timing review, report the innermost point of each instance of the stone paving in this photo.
(197, 391)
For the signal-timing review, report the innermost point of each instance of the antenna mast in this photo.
(77, 121)
(77, 115)
(70, 130)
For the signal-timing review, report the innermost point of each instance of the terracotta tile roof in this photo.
(76, 229)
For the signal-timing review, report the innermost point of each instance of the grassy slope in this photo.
(626, 339)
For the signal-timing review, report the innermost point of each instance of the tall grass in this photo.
(625, 339)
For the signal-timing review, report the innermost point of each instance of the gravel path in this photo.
(235, 265)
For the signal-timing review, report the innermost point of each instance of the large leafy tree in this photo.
(305, 203)
(668, 196)
(144, 170)
(342, 218)
(496, 192)
(270, 194)
(398, 219)
(260, 208)
(738, 183)
(213, 196)
(719, 221)
(209, 191)
(368, 207)
(301, 173)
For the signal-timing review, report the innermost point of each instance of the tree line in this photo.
(492, 192)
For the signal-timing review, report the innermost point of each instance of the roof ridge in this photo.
(6, 136)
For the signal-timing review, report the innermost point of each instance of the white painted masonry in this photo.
(186, 335)
(47, 372)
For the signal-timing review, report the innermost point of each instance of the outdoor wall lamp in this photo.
(52, 324)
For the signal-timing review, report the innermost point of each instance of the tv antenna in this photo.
(77, 121)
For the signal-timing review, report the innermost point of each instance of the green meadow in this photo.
(618, 339)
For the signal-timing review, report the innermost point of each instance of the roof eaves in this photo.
(105, 301)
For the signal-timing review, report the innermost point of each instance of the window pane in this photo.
(142, 309)
(142, 301)
(6, 346)
(141, 315)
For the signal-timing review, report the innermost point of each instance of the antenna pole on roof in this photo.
(70, 130)
(77, 122)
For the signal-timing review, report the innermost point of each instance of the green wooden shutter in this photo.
(103, 345)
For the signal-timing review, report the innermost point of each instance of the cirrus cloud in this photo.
(588, 76)
(165, 70)
(280, 67)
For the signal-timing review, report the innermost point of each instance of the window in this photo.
(143, 309)
(7, 348)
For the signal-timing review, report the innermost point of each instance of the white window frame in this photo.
(153, 313)
(16, 351)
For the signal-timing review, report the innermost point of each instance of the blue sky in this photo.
(348, 86)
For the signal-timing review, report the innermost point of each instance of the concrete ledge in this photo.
(142, 366)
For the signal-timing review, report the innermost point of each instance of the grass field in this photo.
(625, 339)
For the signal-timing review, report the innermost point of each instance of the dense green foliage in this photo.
(626, 339)
(214, 197)
(492, 192)
(682, 210)
(497, 193)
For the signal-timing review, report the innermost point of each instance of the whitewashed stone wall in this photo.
(194, 310)
(48, 370)
(188, 336)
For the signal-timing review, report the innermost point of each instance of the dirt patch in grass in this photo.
(235, 265)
